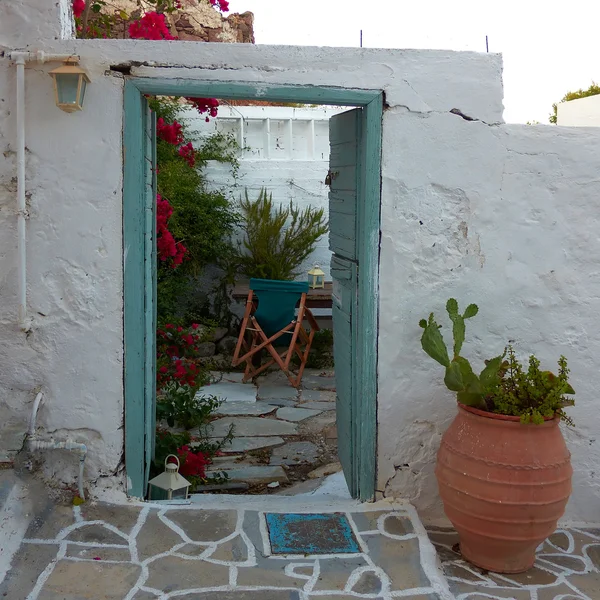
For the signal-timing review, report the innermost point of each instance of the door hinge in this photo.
(331, 175)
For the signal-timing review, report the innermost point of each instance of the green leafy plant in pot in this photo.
(277, 240)
(503, 468)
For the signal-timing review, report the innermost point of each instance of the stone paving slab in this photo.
(567, 567)
(236, 409)
(281, 401)
(277, 391)
(230, 392)
(317, 382)
(318, 396)
(250, 427)
(320, 406)
(223, 554)
(295, 453)
(287, 413)
(256, 474)
(246, 444)
(232, 377)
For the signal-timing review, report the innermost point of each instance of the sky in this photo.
(548, 48)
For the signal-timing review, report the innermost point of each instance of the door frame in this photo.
(137, 244)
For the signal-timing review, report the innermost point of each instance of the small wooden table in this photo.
(319, 298)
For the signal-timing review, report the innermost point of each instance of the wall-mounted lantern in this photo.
(316, 278)
(70, 81)
(169, 485)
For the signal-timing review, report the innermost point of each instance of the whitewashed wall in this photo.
(583, 112)
(503, 216)
(282, 149)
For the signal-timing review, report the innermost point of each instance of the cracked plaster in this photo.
(505, 216)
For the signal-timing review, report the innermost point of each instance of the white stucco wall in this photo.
(502, 216)
(506, 217)
(290, 158)
(583, 112)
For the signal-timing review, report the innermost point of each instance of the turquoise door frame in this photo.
(139, 253)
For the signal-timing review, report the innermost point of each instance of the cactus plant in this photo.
(471, 389)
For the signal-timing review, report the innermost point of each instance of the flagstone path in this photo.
(262, 551)
(567, 567)
(281, 434)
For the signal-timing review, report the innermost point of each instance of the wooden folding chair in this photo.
(270, 323)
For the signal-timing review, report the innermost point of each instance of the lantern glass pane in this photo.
(82, 92)
(157, 493)
(66, 87)
(180, 494)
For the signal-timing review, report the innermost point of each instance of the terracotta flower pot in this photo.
(504, 486)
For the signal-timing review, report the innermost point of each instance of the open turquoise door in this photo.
(345, 135)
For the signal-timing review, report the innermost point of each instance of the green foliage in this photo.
(532, 394)
(203, 219)
(277, 240)
(503, 386)
(432, 341)
(593, 90)
(471, 389)
(180, 406)
(167, 442)
(210, 447)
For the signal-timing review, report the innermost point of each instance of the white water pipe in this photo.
(20, 58)
(66, 445)
(36, 406)
(35, 444)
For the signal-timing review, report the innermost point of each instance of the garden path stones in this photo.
(288, 413)
(317, 382)
(81, 577)
(246, 444)
(229, 391)
(295, 453)
(320, 406)
(277, 391)
(317, 396)
(250, 427)
(280, 401)
(325, 470)
(254, 409)
(233, 377)
(256, 474)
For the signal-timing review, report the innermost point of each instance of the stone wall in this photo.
(195, 22)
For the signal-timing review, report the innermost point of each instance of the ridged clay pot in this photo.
(504, 486)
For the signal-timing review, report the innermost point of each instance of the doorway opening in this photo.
(354, 199)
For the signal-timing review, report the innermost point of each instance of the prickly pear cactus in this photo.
(460, 378)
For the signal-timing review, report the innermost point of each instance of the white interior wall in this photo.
(290, 158)
(502, 216)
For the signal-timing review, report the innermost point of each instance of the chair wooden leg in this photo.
(236, 355)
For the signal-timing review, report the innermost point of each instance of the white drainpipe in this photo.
(20, 58)
(35, 444)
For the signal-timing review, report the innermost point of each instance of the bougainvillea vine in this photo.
(167, 247)
(152, 26)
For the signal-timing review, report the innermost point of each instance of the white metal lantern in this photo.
(169, 485)
(70, 81)
(316, 278)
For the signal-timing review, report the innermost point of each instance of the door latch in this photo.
(331, 175)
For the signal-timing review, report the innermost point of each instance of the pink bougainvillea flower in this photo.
(188, 154)
(152, 26)
(205, 105)
(222, 5)
(78, 8)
